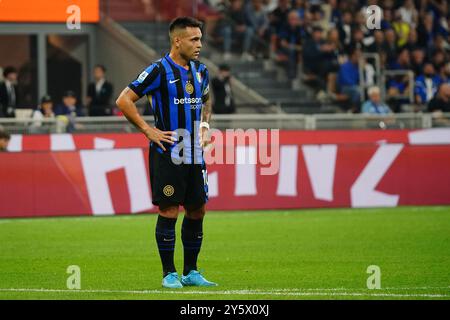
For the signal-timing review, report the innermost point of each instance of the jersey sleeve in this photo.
(147, 81)
(205, 85)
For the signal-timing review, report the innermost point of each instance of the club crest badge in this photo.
(189, 87)
(168, 190)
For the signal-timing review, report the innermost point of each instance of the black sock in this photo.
(192, 236)
(165, 238)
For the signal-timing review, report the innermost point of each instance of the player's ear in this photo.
(177, 42)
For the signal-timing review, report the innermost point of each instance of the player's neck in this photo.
(178, 59)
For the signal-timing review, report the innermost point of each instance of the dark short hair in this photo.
(69, 93)
(4, 135)
(401, 49)
(417, 48)
(184, 22)
(224, 67)
(9, 70)
(46, 99)
(315, 8)
(101, 67)
(352, 50)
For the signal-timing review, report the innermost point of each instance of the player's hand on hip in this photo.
(159, 136)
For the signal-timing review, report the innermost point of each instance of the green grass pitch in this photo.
(294, 254)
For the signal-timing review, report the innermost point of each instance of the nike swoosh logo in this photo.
(173, 81)
(168, 239)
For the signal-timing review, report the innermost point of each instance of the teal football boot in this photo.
(171, 281)
(195, 278)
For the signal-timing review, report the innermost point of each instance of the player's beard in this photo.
(186, 57)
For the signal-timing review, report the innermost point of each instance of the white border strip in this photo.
(277, 292)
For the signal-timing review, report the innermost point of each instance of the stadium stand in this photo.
(406, 27)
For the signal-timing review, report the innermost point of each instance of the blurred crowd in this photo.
(326, 44)
(65, 109)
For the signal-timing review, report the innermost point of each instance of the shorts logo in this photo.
(189, 87)
(168, 190)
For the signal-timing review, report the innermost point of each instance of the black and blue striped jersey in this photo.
(176, 96)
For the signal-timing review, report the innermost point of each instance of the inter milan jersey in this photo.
(176, 96)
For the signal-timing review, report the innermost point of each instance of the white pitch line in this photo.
(358, 289)
(232, 292)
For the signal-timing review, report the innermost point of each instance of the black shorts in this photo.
(176, 184)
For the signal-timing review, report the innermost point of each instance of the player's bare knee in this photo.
(169, 211)
(195, 212)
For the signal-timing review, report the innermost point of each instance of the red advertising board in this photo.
(60, 175)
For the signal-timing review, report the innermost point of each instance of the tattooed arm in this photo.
(207, 110)
(205, 138)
